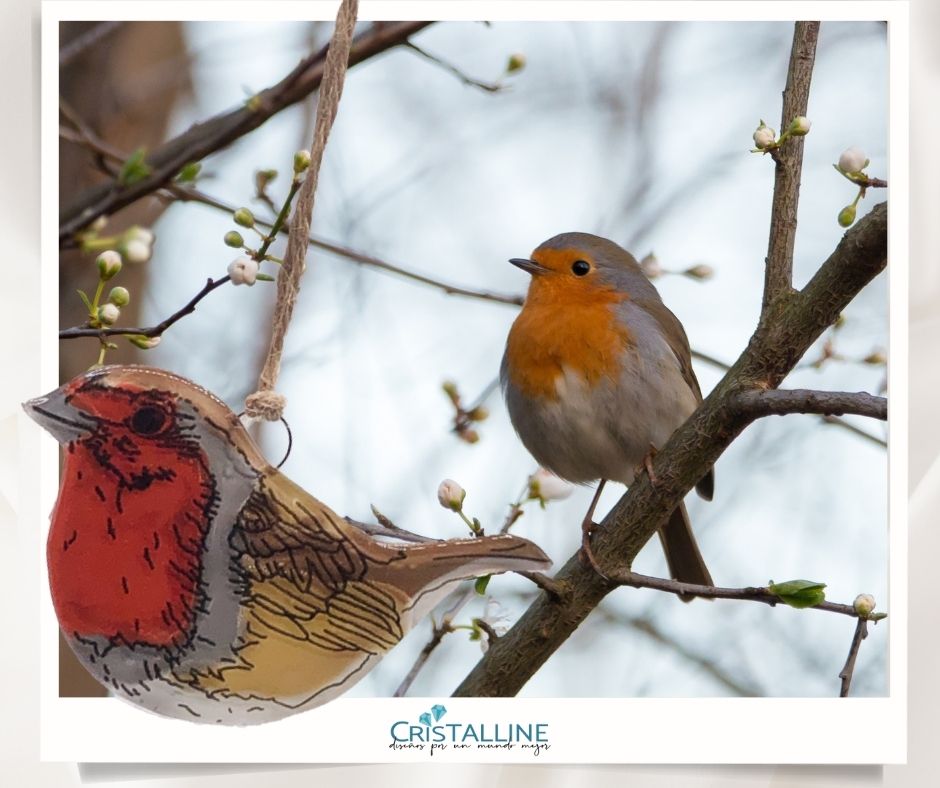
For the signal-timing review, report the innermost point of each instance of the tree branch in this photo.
(861, 632)
(775, 402)
(748, 594)
(221, 130)
(778, 274)
(776, 346)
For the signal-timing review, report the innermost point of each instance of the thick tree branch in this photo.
(776, 402)
(221, 130)
(776, 346)
(778, 274)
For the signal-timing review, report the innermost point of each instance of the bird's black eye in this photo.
(580, 267)
(148, 420)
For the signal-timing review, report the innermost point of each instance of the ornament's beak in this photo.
(529, 266)
(57, 416)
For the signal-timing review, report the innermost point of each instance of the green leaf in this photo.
(189, 172)
(481, 583)
(85, 299)
(135, 168)
(799, 593)
(264, 278)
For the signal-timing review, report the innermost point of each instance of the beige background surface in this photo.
(19, 723)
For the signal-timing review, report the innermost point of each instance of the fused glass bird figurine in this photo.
(194, 579)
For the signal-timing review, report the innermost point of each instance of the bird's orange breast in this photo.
(564, 328)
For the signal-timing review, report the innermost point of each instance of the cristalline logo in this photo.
(431, 734)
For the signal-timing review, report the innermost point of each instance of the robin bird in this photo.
(194, 579)
(597, 374)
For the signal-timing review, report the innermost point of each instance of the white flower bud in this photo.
(98, 224)
(853, 160)
(109, 264)
(651, 267)
(108, 314)
(864, 604)
(243, 270)
(764, 136)
(137, 251)
(137, 233)
(799, 126)
(546, 486)
(451, 495)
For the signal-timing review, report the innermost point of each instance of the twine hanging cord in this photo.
(266, 403)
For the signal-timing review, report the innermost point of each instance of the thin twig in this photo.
(489, 87)
(103, 152)
(780, 402)
(485, 626)
(748, 594)
(437, 635)
(861, 632)
(221, 130)
(152, 331)
(778, 274)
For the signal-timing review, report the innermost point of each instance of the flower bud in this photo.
(651, 267)
(876, 358)
(470, 436)
(98, 225)
(137, 233)
(764, 136)
(119, 296)
(451, 495)
(799, 126)
(108, 314)
(479, 413)
(546, 486)
(700, 271)
(516, 62)
(234, 239)
(864, 604)
(143, 342)
(853, 160)
(244, 217)
(243, 271)
(109, 264)
(847, 215)
(301, 161)
(450, 389)
(136, 251)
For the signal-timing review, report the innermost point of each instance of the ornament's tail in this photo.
(432, 567)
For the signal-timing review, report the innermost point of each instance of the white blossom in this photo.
(764, 136)
(243, 270)
(546, 486)
(451, 495)
(109, 264)
(852, 160)
(108, 314)
(864, 604)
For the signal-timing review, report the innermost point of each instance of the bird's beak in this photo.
(529, 266)
(58, 417)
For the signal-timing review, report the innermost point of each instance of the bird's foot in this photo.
(648, 465)
(587, 554)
